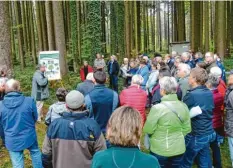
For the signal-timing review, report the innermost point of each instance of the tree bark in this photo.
(32, 33)
(43, 25)
(5, 37)
(60, 35)
(206, 25)
(50, 28)
(221, 36)
(39, 27)
(228, 34)
(139, 24)
(127, 29)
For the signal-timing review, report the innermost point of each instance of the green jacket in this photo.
(165, 130)
(123, 157)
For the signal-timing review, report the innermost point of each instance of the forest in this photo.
(80, 29)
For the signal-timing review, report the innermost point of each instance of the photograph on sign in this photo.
(50, 59)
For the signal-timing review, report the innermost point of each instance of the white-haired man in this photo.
(18, 117)
(183, 75)
(222, 86)
(88, 85)
(210, 62)
(134, 96)
(186, 58)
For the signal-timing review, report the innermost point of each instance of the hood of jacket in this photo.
(59, 107)
(13, 99)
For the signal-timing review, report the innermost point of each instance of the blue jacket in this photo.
(195, 61)
(202, 97)
(101, 102)
(113, 68)
(18, 117)
(85, 87)
(144, 72)
(190, 63)
(221, 66)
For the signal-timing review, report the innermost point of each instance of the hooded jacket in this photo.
(18, 115)
(55, 111)
(229, 111)
(165, 130)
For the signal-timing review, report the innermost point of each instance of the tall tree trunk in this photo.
(201, 26)
(24, 26)
(43, 25)
(5, 37)
(175, 22)
(180, 8)
(135, 26)
(50, 28)
(78, 7)
(206, 24)
(113, 27)
(127, 29)
(221, 36)
(139, 24)
(60, 35)
(231, 37)
(103, 40)
(229, 29)
(195, 22)
(12, 16)
(32, 33)
(19, 37)
(216, 27)
(39, 27)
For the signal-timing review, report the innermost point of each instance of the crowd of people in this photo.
(190, 113)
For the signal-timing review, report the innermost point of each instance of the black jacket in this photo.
(115, 68)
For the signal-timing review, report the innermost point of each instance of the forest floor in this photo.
(70, 83)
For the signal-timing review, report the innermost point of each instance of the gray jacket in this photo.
(55, 111)
(229, 111)
(184, 85)
(40, 90)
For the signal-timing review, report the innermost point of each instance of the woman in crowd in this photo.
(125, 123)
(139, 96)
(85, 69)
(124, 69)
(152, 78)
(167, 124)
(144, 72)
(217, 120)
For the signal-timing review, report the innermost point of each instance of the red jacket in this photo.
(135, 97)
(218, 112)
(222, 87)
(82, 75)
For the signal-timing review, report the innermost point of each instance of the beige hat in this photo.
(74, 99)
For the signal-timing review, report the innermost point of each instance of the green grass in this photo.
(70, 82)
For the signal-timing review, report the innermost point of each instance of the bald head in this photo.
(12, 86)
(209, 57)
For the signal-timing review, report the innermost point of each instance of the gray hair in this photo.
(216, 71)
(200, 55)
(90, 76)
(213, 81)
(12, 85)
(137, 79)
(186, 55)
(168, 84)
(185, 68)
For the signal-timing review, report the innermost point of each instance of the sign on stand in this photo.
(50, 59)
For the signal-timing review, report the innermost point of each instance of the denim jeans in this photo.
(198, 147)
(216, 153)
(114, 82)
(17, 158)
(169, 162)
(2, 134)
(230, 142)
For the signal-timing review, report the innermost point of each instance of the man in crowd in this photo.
(197, 58)
(158, 57)
(144, 72)
(168, 60)
(148, 61)
(186, 58)
(210, 62)
(99, 63)
(85, 69)
(229, 114)
(18, 115)
(221, 86)
(174, 69)
(72, 135)
(135, 97)
(86, 86)
(221, 66)
(101, 101)
(183, 75)
(113, 70)
(202, 134)
(40, 89)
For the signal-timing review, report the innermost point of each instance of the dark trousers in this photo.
(216, 153)
(169, 162)
(114, 82)
(197, 147)
(2, 134)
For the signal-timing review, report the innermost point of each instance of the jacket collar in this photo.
(169, 97)
(10, 94)
(76, 115)
(214, 91)
(198, 87)
(88, 81)
(100, 86)
(134, 86)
